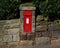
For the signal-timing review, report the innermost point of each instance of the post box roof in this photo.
(27, 6)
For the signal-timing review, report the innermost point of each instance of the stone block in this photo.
(33, 18)
(13, 25)
(12, 21)
(16, 37)
(14, 46)
(7, 38)
(1, 38)
(21, 27)
(1, 33)
(26, 43)
(7, 26)
(2, 22)
(33, 27)
(2, 43)
(13, 43)
(42, 40)
(13, 31)
(4, 46)
(55, 42)
(5, 32)
(21, 16)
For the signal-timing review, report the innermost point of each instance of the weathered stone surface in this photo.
(33, 19)
(27, 8)
(7, 38)
(13, 31)
(14, 46)
(12, 21)
(3, 22)
(0, 39)
(21, 27)
(3, 32)
(21, 16)
(3, 43)
(33, 27)
(4, 46)
(0, 33)
(13, 43)
(16, 37)
(9, 24)
(22, 36)
(9, 31)
(14, 25)
(33, 16)
(42, 40)
(55, 42)
(26, 43)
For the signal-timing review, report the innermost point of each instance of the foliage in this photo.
(8, 8)
(49, 8)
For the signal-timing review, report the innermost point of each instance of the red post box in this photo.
(27, 19)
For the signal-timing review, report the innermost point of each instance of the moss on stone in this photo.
(27, 4)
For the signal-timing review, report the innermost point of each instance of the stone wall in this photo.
(9, 31)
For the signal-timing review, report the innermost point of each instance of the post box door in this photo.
(27, 21)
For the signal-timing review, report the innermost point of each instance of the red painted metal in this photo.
(27, 12)
(27, 21)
